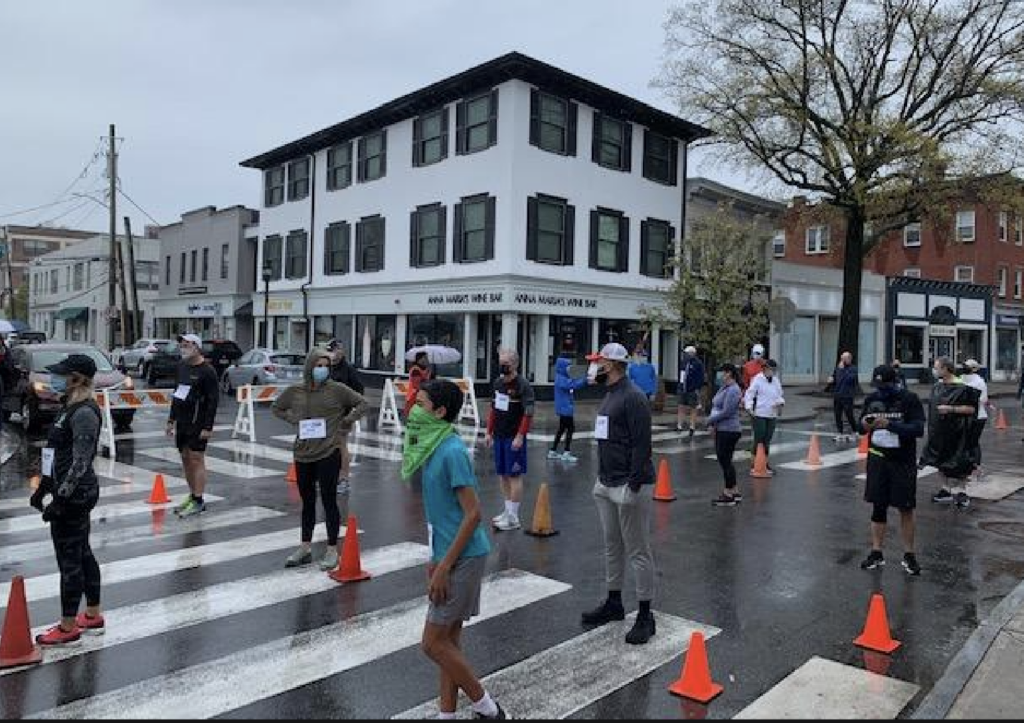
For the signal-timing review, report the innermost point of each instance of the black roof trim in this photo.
(502, 69)
(960, 288)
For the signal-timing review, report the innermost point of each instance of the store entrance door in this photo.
(940, 346)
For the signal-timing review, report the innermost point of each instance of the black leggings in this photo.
(974, 433)
(324, 471)
(725, 446)
(844, 406)
(568, 426)
(79, 571)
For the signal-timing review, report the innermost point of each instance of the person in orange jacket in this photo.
(419, 373)
(753, 367)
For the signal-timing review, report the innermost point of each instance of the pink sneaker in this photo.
(90, 624)
(58, 636)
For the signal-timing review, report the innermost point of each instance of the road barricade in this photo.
(110, 400)
(390, 414)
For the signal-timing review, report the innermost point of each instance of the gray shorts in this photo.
(464, 583)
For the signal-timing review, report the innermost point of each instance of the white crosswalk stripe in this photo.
(32, 520)
(775, 449)
(835, 459)
(213, 464)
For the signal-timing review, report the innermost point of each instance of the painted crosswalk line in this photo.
(32, 520)
(255, 674)
(255, 449)
(833, 459)
(101, 539)
(775, 449)
(567, 678)
(213, 464)
(698, 445)
(164, 563)
(926, 472)
(823, 689)
(110, 491)
(156, 617)
(156, 434)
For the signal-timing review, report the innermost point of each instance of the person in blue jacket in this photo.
(642, 373)
(565, 408)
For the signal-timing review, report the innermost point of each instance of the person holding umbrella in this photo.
(420, 372)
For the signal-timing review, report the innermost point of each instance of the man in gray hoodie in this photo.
(323, 410)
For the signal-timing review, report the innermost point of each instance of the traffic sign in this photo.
(781, 312)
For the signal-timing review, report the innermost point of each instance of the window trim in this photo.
(1018, 282)
(294, 194)
(419, 142)
(364, 160)
(167, 273)
(568, 233)
(276, 264)
(956, 274)
(906, 229)
(957, 226)
(1018, 229)
(568, 132)
(673, 159)
(462, 129)
(621, 243)
(361, 227)
(182, 270)
(916, 272)
(415, 240)
(775, 246)
(625, 162)
(333, 166)
(269, 187)
(225, 260)
(645, 250)
(345, 229)
(819, 248)
(1003, 280)
(193, 262)
(206, 263)
(288, 256)
(459, 231)
(1003, 225)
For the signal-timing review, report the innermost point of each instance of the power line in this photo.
(37, 208)
(61, 198)
(144, 211)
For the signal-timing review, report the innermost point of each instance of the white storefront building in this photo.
(512, 205)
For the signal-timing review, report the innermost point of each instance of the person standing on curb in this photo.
(724, 422)
(764, 400)
(565, 408)
(508, 423)
(691, 381)
(954, 407)
(844, 389)
(193, 413)
(973, 379)
(894, 419)
(623, 433)
(322, 409)
(458, 542)
(344, 373)
(68, 478)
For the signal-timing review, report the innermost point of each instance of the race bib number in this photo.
(47, 462)
(885, 439)
(313, 429)
(182, 391)
(601, 427)
(501, 402)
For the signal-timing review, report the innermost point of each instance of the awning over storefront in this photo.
(244, 310)
(72, 313)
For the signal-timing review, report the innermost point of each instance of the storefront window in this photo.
(375, 343)
(280, 327)
(569, 336)
(970, 344)
(797, 357)
(628, 332)
(868, 345)
(1006, 350)
(343, 326)
(323, 330)
(443, 330)
(909, 344)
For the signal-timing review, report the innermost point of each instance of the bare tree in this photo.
(869, 105)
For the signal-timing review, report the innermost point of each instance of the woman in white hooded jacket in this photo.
(764, 401)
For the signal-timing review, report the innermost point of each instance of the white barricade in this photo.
(395, 389)
(126, 399)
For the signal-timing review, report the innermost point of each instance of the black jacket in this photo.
(346, 374)
(625, 457)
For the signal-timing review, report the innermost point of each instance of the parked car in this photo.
(221, 353)
(26, 337)
(163, 363)
(137, 356)
(264, 366)
(31, 396)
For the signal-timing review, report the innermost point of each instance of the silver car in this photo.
(264, 366)
(136, 357)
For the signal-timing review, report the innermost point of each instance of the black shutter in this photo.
(414, 226)
(444, 133)
(673, 162)
(623, 259)
(493, 121)
(627, 146)
(570, 141)
(328, 245)
(442, 230)
(360, 161)
(595, 140)
(346, 250)
(489, 215)
(460, 128)
(568, 253)
(458, 252)
(646, 166)
(383, 153)
(670, 253)
(360, 237)
(595, 237)
(531, 229)
(534, 117)
(381, 245)
(417, 137)
(644, 246)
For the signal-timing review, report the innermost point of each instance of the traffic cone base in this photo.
(1001, 423)
(293, 475)
(695, 682)
(542, 525)
(663, 489)
(350, 569)
(16, 646)
(760, 468)
(876, 635)
(814, 453)
(864, 445)
(158, 496)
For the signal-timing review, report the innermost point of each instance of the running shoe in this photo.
(943, 497)
(192, 509)
(873, 561)
(90, 624)
(910, 565)
(58, 636)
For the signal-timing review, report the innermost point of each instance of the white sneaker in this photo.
(498, 519)
(552, 454)
(507, 524)
(570, 457)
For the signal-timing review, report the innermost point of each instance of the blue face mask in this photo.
(320, 374)
(58, 384)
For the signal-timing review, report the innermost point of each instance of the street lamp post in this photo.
(268, 271)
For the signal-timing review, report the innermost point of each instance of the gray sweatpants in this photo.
(626, 521)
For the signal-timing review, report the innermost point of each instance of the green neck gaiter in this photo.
(423, 433)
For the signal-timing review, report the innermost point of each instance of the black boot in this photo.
(643, 630)
(605, 613)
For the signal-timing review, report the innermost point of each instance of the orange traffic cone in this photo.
(542, 526)
(814, 453)
(862, 448)
(159, 494)
(16, 647)
(760, 468)
(350, 569)
(695, 682)
(1001, 423)
(663, 489)
(293, 476)
(876, 628)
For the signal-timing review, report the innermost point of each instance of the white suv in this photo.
(136, 357)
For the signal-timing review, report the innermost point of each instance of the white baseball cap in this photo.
(972, 364)
(191, 338)
(611, 352)
(690, 349)
(758, 350)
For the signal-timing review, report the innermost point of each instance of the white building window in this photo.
(965, 226)
(964, 274)
(912, 272)
(1003, 274)
(817, 240)
(779, 244)
(912, 234)
(1004, 224)
(1017, 283)
(1018, 230)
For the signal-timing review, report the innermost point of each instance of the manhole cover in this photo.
(1007, 529)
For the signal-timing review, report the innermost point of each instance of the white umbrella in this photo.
(436, 354)
(6, 327)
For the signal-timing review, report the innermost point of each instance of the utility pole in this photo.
(136, 311)
(123, 282)
(112, 266)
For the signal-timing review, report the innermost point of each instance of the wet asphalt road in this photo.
(779, 575)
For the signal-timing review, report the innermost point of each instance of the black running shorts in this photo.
(891, 482)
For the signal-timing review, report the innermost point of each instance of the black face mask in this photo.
(601, 377)
(506, 369)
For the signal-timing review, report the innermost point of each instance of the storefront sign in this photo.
(1006, 320)
(554, 300)
(209, 309)
(280, 305)
(941, 330)
(481, 297)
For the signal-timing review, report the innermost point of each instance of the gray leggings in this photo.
(626, 520)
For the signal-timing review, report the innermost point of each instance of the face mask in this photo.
(592, 371)
(320, 374)
(506, 369)
(936, 373)
(423, 433)
(188, 352)
(59, 384)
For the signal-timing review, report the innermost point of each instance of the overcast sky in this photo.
(195, 86)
